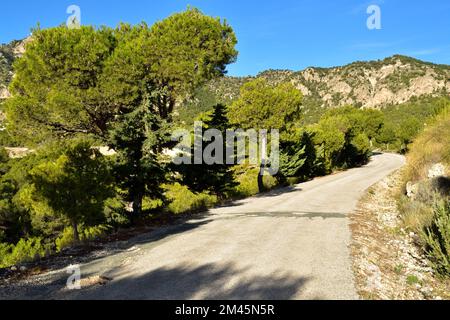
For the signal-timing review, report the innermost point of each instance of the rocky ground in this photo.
(387, 263)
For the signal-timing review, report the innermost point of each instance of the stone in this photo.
(437, 170)
(412, 190)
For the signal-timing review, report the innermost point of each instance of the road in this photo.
(287, 244)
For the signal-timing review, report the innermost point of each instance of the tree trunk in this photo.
(260, 179)
(76, 235)
(137, 205)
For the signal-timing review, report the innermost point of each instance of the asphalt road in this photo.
(286, 244)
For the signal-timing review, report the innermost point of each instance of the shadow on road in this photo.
(208, 281)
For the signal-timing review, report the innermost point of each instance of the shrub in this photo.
(94, 233)
(437, 238)
(247, 178)
(66, 239)
(5, 252)
(182, 200)
(115, 212)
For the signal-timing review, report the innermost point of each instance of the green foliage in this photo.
(203, 101)
(190, 48)
(117, 86)
(62, 184)
(216, 178)
(247, 181)
(24, 251)
(7, 58)
(138, 170)
(115, 212)
(247, 178)
(412, 280)
(262, 106)
(404, 122)
(182, 200)
(437, 238)
(57, 89)
(4, 161)
(86, 233)
(292, 161)
(65, 239)
(343, 135)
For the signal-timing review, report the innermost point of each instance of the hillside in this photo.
(8, 53)
(393, 80)
(373, 84)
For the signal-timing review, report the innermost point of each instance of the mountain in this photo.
(373, 84)
(8, 53)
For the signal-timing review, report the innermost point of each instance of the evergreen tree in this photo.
(218, 177)
(138, 168)
(76, 185)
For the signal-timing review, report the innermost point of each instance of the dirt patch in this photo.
(387, 263)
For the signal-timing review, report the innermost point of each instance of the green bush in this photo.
(5, 252)
(437, 238)
(94, 233)
(26, 250)
(247, 178)
(66, 240)
(182, 200)
(115, 212)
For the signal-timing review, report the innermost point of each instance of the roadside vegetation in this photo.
(426, 207)
(128, 89)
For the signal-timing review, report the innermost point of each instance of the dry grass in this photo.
(386, 261)
(431, 147)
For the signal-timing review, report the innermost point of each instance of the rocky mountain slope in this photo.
(8, 53)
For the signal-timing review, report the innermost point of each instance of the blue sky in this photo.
(275, 34)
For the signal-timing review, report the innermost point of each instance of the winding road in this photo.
(286, 244)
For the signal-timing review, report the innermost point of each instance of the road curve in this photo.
(286, 244)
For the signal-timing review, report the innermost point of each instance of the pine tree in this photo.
(138, 169)
(216, 178)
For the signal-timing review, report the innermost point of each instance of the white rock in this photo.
(438, 170)
(411, 190)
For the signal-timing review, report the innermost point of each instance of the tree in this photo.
(387, 134)
(150, 70)
(85, 81)
(138, 170)
(76, 185)
(188, 48)
(262, 106)
(343, 135)
(407, 131)
(330, 134)
(56, 91)
(217, 177)
(172, 58)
